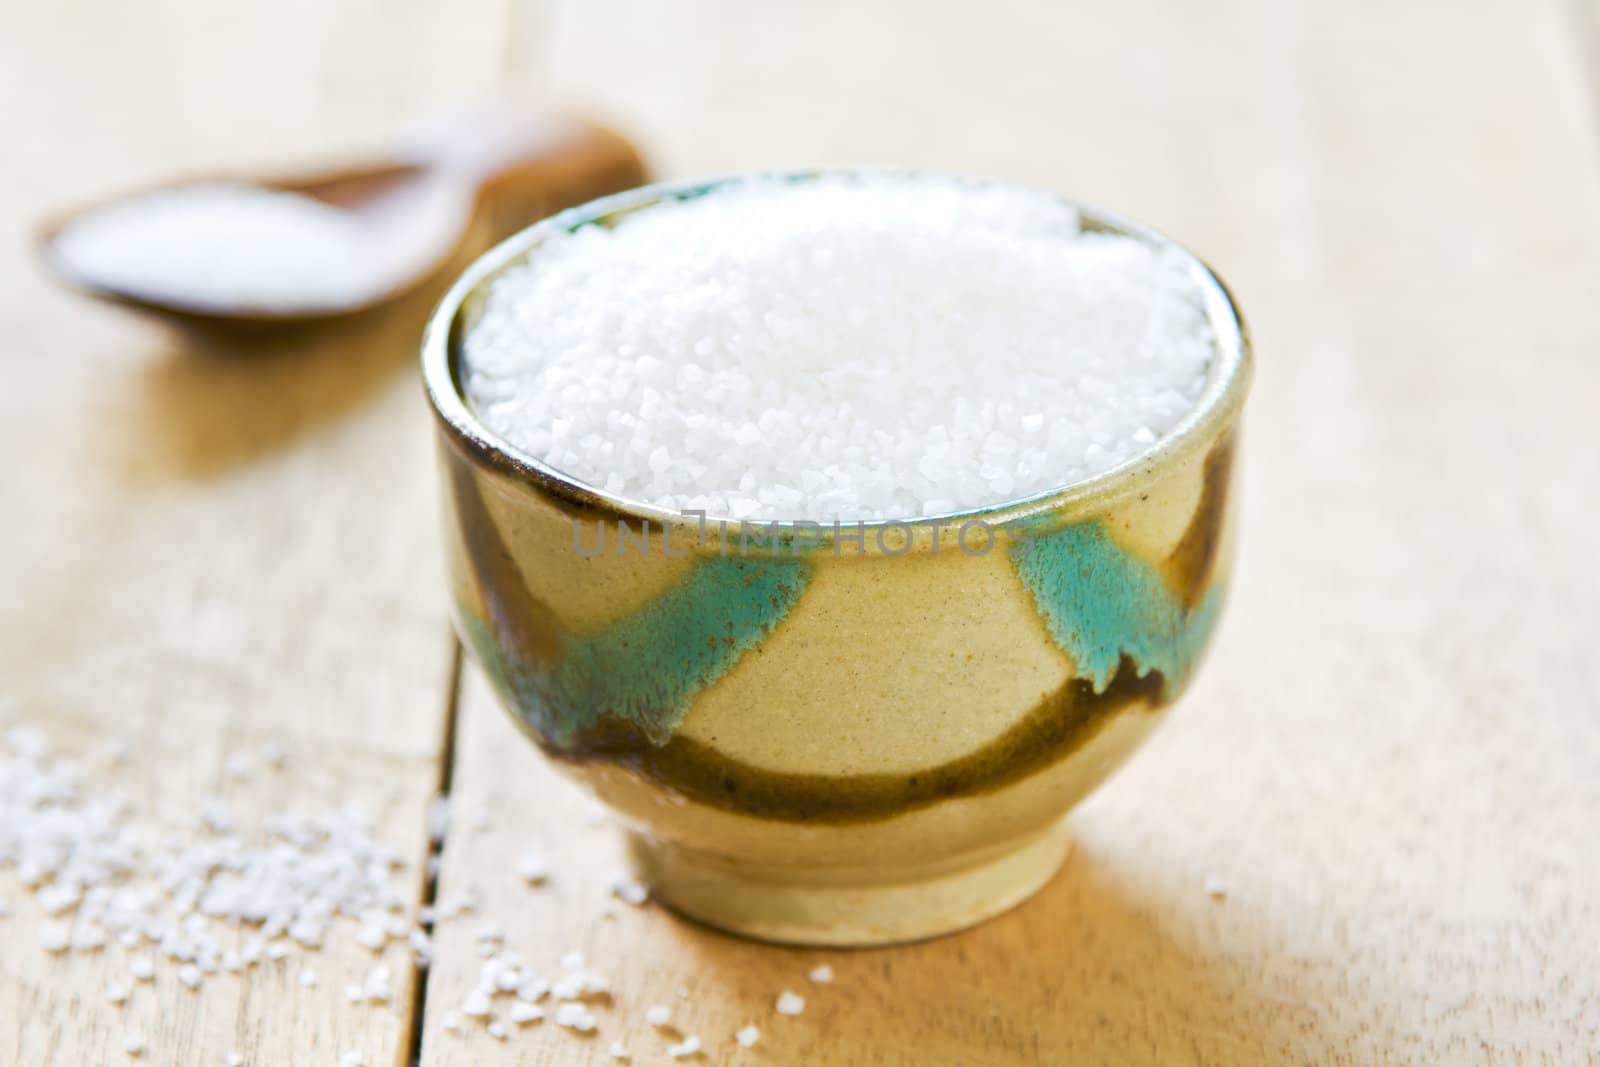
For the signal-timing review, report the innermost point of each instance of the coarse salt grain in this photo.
(308, 978)
(821, 975)
(748, 1036)
(790, 1003)
(687, 1047)
(222, 245)
(190, 976)
(627, 889)
(618, 1051)
(497, 1030)
(523, 1014)
(133, 1044)
(1216, 888)
(850, 347)
(533, 868)
(376, 987)
(118, 993)
(353, 1059)
(233, 1059)
(54, 936)
(658, 1015)
(575, 1016)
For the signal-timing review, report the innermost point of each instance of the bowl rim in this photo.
(1218, 407)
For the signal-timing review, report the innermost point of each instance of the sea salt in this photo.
(790, 1003)
(848, 347)
(575, 1016)
(533, 868)
(658, 1015)
(748, 1037)
(822, 975)
(687, 1047)
(221, 246)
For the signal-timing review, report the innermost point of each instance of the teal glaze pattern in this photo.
(1101, 602)
(644, 670)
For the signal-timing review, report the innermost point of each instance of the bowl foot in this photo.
(755, 904)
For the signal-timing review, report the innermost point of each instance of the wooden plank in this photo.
(1389, 758)
(204, 550)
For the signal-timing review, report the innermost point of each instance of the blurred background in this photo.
(1390, 757)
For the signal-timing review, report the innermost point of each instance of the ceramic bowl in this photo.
(852, 734)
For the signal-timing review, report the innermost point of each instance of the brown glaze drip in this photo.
(1061, 721)
(521, 622)
(1194, 559)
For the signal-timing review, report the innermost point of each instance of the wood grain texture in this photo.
(1389, 759)
(204, 549)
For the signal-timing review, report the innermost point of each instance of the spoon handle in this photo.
(524, 167)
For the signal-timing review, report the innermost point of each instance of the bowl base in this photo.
(712, 891)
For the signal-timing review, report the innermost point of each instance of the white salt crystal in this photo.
(687, 1047)
(233, 1059)
(574, 1016)
(822, 975)
(54, 936)
(438, 819)
(658, 1015)
(497, 1030)
(475, 1005)
(221, 245)
(133, 1044)
(376, 987)
(190, 976)
(787, 318)
(618, 1051)
(117, 993)
(569, 986)
(56, 898)
(308, 978)
(748, 1036)
(790, 1003)
(571, 961)
(142, 968)
(629, 890)
(353, 1059)
(522, 1014)
(533, 868)
(1216, 888)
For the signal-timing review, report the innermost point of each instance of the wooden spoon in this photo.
(267, 254)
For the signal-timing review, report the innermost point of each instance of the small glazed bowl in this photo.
(839, 734)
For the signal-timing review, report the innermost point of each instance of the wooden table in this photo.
(1392, 759)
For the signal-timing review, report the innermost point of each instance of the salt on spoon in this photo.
(274, 252)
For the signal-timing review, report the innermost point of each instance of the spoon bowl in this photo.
(255, 255)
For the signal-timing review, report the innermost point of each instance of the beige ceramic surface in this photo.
(864, 734)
